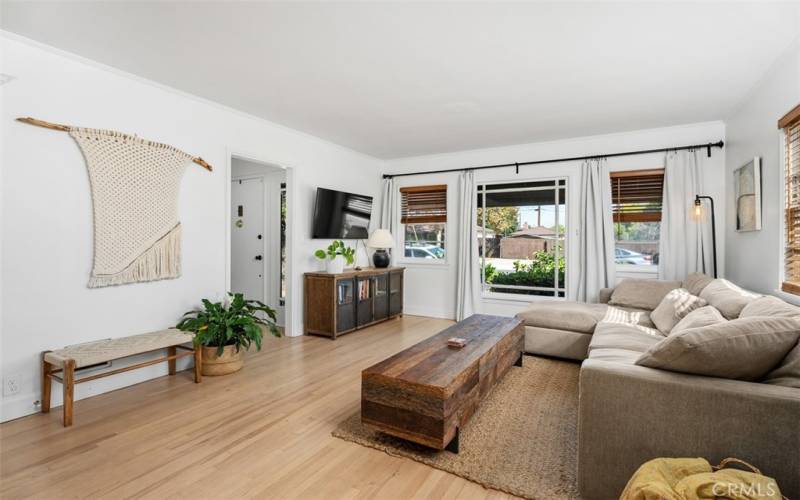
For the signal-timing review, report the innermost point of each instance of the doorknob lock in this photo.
(259, 257)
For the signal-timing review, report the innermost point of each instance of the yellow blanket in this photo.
(694, 478)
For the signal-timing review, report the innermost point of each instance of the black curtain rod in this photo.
(707, 146)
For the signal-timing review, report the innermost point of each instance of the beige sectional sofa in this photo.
(630, 413)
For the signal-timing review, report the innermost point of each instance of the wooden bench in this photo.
(62, 363)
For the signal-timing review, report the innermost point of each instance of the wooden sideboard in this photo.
(341, 303)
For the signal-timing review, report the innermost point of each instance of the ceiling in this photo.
(403, 79)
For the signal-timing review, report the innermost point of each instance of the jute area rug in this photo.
(522, 440)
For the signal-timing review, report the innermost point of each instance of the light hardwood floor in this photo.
(263, 432)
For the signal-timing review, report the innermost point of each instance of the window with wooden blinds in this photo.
(423, 204)
(790, 124)
(636, 195)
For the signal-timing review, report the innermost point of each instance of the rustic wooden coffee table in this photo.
(427, 392)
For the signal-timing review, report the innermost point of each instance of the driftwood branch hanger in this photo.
(66, 128)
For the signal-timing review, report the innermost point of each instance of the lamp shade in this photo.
(381, 238)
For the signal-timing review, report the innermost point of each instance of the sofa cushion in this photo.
(771, 307)
(729, 298)
(744, 349)
(563, 315)
(628, 316)
(696, 282)
(625, 356)
(641, 293)
(704, 316)
(557, 343)
(674, 307)
(788, 371)
(609, 335)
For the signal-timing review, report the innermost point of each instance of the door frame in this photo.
(291, 328)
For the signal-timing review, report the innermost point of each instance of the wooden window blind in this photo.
(790, 124)
(636, 195)
(423, 204)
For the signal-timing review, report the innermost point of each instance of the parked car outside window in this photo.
(427, 252)
(625, 256)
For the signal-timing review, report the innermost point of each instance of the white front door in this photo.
(247, 238)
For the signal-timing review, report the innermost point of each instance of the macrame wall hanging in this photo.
(135, 185)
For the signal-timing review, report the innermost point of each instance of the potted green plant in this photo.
(226, 331)
(335, 256)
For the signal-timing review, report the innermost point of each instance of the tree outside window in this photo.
(521, 237)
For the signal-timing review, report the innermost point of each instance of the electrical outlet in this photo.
(11, 385)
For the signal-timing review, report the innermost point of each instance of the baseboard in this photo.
(22, 405)
(19, 406)
(429, 312)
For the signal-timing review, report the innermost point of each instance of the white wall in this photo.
(430, 288)
(755, 259)
(47, 218)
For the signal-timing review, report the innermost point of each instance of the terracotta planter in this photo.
(229, 362)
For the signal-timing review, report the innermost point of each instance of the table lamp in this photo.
(381, 240)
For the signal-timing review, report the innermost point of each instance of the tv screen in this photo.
(340, 215)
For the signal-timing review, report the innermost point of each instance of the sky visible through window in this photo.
(530, 215)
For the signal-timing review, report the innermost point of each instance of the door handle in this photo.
(259, 257)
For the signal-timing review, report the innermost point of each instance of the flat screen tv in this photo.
(340, 215)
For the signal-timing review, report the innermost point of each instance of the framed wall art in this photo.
(747, 192)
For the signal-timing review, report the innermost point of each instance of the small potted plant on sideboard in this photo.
(335, 256)
(226, 331)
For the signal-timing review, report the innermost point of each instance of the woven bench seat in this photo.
(60, 364)
(101, 351)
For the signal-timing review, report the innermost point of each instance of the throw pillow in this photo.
(743, 349)
(641, 293)
(730, 299)
(705, 316)
(769, 306)
(673, 308)
(696, 282)
(788, 371)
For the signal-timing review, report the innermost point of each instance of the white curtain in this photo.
(596, 238)
(389, 211)
(467, 281)
(685, 241)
